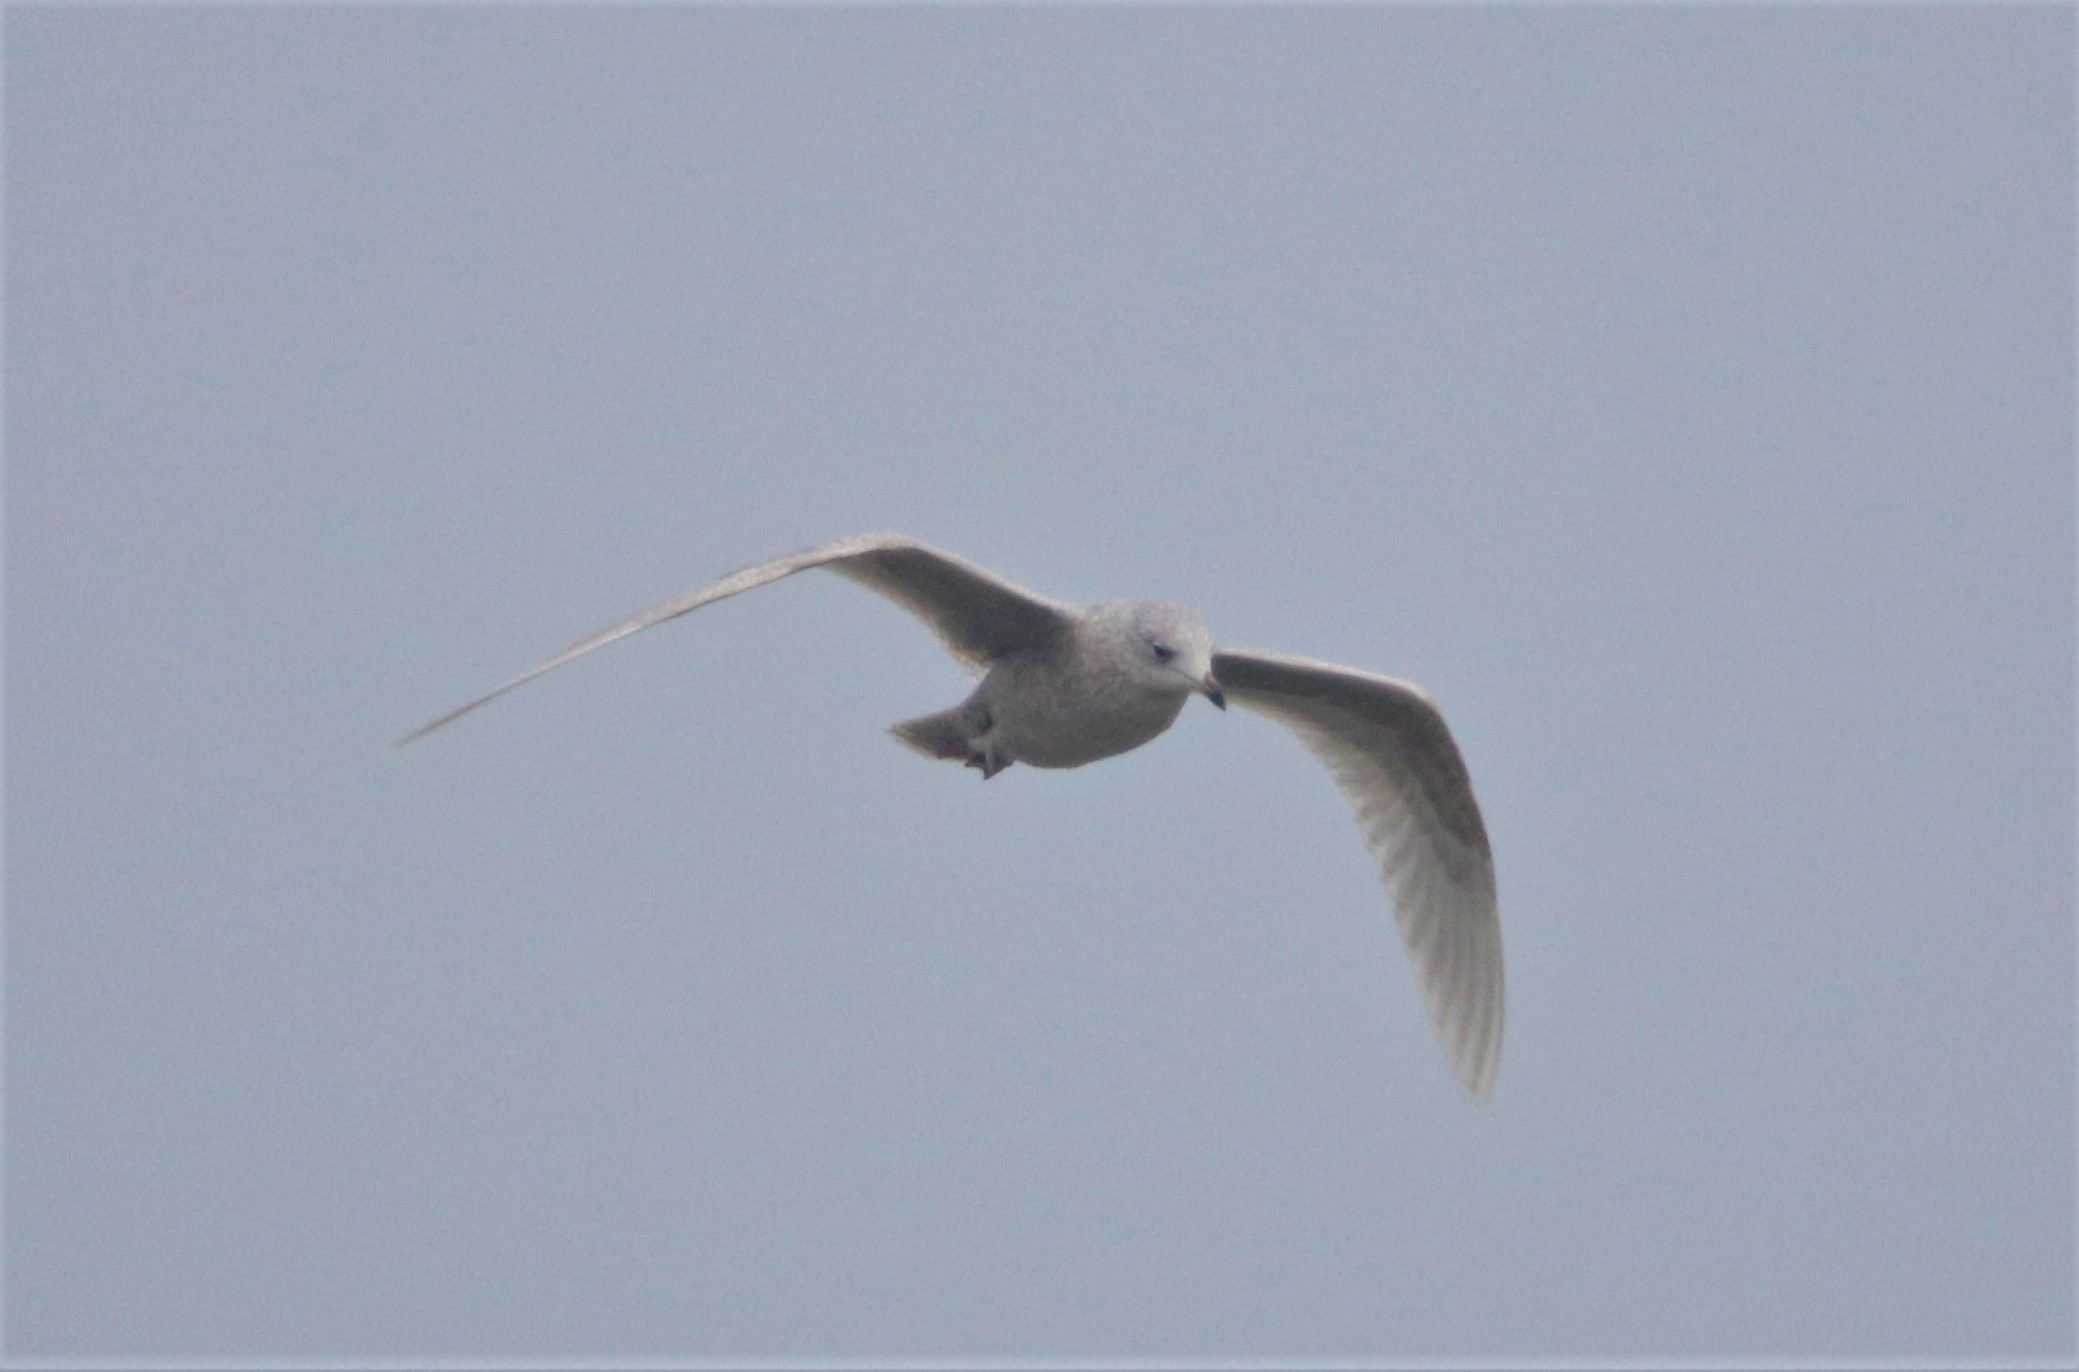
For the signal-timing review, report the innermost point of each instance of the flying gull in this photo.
(1062, 685)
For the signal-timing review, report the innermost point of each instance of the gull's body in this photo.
(1066, 685)
(1087, 694)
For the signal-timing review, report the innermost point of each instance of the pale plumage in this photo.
(1065, 685)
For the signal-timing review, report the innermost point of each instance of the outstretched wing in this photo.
(1395, 760)
(978, 615)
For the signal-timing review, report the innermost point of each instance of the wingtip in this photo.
(424, 729)
(1476, 1063)
(1478, 1072)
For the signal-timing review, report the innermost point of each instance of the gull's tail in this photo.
(943, 735)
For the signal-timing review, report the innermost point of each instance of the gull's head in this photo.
(1172, 648)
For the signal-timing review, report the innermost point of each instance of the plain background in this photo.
(1682, 395)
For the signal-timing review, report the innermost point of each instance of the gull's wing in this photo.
(978, 615)
(1396, 761)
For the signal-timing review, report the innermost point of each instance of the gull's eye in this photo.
(1163, 652)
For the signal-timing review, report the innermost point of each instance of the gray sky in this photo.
(1682, 395)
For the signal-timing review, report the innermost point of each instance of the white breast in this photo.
(1060, 715)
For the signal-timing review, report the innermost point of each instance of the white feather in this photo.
(1395, 760)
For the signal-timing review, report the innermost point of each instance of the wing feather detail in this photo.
(977, 615)
(1396, 762)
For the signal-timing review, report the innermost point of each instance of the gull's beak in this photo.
(1211, 686)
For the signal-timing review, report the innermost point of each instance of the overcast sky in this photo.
(1682, 395)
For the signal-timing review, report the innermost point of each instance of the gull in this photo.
(1063, 685)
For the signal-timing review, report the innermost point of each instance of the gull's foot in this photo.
(983, 763)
